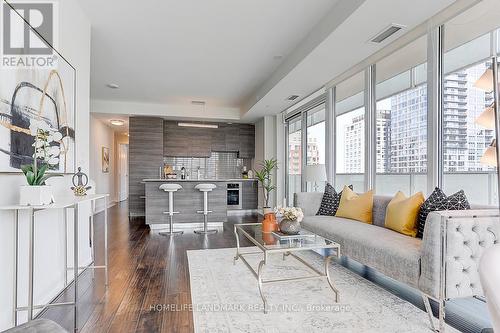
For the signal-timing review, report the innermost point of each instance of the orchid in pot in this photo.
(46, 155)
(291, 218)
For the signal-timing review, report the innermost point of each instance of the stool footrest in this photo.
(167, 212)
(203, 212)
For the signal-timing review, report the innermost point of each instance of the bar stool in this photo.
(205, 188)
(171, 188)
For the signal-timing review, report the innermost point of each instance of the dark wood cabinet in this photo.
(175, 142)
(249, 195)
(201, 142)
(186, 141)
(232, 137)
(247, 141)
(218, 136)
(145, 158)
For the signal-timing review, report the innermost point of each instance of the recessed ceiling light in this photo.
(117, 122)
(112, 86)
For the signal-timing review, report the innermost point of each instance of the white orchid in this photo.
(54, 151)
(36, 125)
(44, 136)
(57, 136)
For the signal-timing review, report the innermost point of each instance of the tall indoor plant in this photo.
(264, 176)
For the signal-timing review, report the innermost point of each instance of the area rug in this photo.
(226, 298)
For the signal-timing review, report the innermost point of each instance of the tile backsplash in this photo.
(219, 165)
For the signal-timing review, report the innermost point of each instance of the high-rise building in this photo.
(402, 130)
(295, 153)
(354, 142)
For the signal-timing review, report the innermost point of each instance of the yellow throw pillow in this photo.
(356, 206)
(402, 213)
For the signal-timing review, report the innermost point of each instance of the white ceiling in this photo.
(345, 47)
(175, 51)
(223, 52)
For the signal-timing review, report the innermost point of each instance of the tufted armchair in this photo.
(452, 246)
(489, 270)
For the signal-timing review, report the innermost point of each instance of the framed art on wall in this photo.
(105, 159)
(37, 99)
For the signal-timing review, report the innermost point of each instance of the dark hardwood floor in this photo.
(146, 270)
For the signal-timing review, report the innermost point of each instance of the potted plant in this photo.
(36, 192)
(264, 177)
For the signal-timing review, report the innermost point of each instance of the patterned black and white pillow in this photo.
(438, 201)
(330, 201)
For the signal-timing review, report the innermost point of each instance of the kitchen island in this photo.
(188, 200)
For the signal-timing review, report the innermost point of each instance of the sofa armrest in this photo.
(465, 234)
(309, 202)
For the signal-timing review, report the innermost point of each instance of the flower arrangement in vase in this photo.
(290, 219)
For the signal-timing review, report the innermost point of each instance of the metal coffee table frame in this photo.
(285, 251)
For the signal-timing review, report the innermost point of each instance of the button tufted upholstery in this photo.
(468, 235)
(489, 270)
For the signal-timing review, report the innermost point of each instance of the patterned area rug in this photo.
(226, 298)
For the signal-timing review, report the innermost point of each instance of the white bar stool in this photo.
(171, 188)
(205, 188)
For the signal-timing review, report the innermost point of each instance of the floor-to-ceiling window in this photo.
(350, 133)
(294, 155)
(316, 152)
(467, 132)
(401, 120)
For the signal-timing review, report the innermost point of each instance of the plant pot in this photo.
(35, 195)
(289, 227)
(267, 210)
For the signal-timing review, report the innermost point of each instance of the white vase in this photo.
(35, 195)
(267, 210)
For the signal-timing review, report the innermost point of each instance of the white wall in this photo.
(101, 135)
(74, 44)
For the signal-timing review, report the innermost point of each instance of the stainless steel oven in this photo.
(234, 196)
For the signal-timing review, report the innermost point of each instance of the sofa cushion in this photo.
(426, 208)
(355, 206)
(402, 213)
(309, 202)
(380, 203)
(457, 201)
(393, 254)
(330, 201)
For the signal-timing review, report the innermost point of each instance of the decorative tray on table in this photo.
(301, 234)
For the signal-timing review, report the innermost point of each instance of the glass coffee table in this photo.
(268, 244)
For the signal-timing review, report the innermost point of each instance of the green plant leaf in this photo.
(27, 167)
(30, 177)
(40, 173)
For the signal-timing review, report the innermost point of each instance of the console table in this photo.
(64, 204)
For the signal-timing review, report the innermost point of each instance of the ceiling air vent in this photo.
(198, 102)
(386, 33)
(292, 97)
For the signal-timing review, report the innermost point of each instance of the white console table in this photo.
(64, 204)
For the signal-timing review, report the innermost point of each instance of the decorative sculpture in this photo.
(80, 188)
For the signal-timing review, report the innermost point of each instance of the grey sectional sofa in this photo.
(439, 272)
